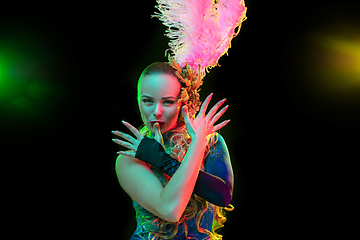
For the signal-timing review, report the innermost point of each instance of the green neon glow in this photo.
(2, 70)
(28, 94)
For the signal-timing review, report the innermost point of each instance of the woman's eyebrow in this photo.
(168, 97)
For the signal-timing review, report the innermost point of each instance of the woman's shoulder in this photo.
(218, 161)
(124, 164)
(220, 137)
(218, 148)
(219, 141)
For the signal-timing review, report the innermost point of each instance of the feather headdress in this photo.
(200, 31)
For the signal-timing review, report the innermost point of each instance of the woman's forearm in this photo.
(216, 189)
(177, 192)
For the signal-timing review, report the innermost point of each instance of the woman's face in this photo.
(157, 99)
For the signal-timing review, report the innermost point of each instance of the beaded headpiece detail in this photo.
(189, 94)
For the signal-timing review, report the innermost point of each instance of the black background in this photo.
(293, 152)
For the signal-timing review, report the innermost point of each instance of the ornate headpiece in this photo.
(189, 94)
(200, 32)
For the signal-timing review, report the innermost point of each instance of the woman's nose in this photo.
(158, 111)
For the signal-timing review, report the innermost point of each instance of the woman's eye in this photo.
(169, 102)
(147, 101)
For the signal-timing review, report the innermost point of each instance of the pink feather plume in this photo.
(200, 31)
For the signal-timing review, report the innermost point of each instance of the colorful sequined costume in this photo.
(216, 183)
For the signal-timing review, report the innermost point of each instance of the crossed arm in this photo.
(144, 187)
(215, 184)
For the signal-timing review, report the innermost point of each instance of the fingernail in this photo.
(225, 108)
(114, 140)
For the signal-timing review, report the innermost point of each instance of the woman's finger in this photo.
(205, 105)
(136, 132)
(126, 137)
(128, 154)
(188, 122)
(125, 144)
(220, 125)
(214, 109)
(158, 136)
(218, 115)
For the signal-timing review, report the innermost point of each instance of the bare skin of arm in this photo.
(144, 187)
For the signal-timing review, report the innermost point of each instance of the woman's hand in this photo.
(133, 143)
(203, 125)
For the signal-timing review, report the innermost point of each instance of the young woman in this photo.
(177, 169)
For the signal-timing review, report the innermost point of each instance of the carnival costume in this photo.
(200, 32)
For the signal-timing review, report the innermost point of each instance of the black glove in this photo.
(209, 187)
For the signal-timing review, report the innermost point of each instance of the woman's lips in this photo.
(160, 123)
